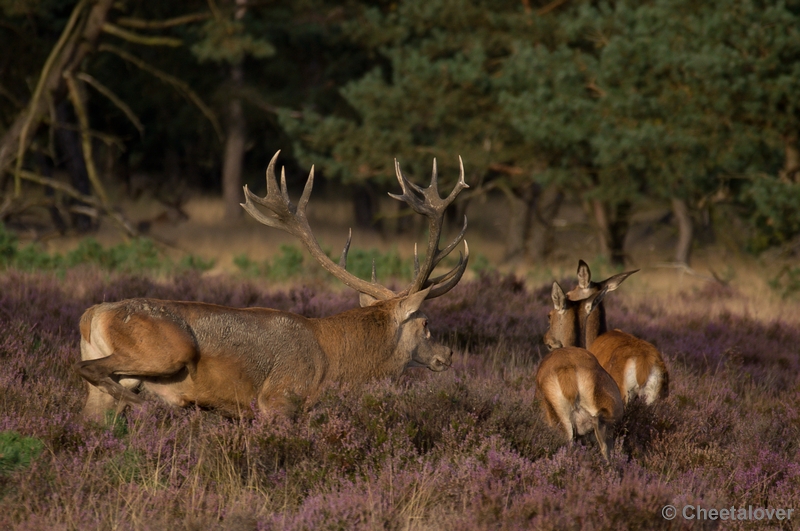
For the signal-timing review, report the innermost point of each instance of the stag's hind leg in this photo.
(118, 353)
(104, 392)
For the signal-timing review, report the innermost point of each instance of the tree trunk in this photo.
(791, 167)
(612, 232)
(70, 153)
(77, 45)
(541, 240)
(365, 206)
(619, 231)
(603, 228)
(45, 168)
(234, 150)
(519, 207)
(683, 248)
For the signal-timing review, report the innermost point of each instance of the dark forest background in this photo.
(611, 105)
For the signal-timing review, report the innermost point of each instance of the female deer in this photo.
(577, 393)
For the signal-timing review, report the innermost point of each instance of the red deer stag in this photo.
(227, 358)
(636, 365)
(577, 393)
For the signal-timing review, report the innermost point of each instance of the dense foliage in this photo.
(619, 104)
(464, 449)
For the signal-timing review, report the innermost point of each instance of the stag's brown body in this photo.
(229, 358)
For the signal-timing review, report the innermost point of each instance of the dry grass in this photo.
(207, 235)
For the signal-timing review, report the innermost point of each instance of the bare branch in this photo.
(162, 24)
(171, 80)
(147, 40)
(121, 105)
(550, 7)
(37, 93)
(86, 140)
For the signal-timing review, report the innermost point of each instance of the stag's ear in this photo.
(559, 299)
(584, 275)
(366, 300)
(411, 304)
(593, 302)
(612, 283)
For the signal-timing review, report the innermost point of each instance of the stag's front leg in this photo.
(288, 389)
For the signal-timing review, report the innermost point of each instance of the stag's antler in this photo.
(292, 219)
(432, 206)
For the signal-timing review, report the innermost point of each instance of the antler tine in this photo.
(293, 220)
(272, 185)
(284, 191)
(416, 261)
(301, 205)
(444, 283)
(441, 289)
(452, 245)
(454, 275)
(343, 258)
(403, 181)
(460, 185)
(374, 275)
(434, 178)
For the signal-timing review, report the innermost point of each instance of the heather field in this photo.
(464, 449)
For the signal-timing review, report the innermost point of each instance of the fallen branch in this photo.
(685, 269)
(95, 209)
(118, 218)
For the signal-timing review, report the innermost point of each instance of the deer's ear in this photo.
(559, 299)
(411, 304)
(584, 275)
(612, 283)
(366, 300)
(593, 302)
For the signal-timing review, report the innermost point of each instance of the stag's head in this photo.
(413, 337)
(415, 345)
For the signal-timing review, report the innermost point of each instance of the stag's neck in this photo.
(360, 344)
